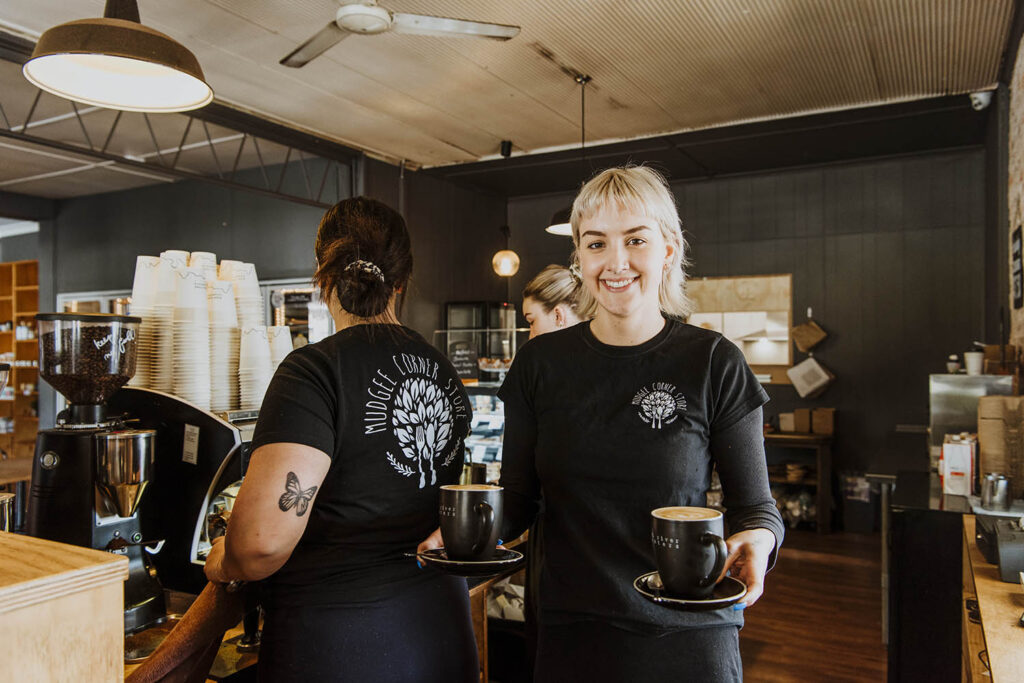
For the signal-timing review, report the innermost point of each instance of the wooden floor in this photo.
(820, 617)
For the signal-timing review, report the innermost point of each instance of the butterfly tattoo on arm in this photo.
(295, 497)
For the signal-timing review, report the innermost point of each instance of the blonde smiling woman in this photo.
(580, 436)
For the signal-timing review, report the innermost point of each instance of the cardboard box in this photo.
(802, 420)
(823, 420)
(810, 378)
(787, 422)
(807, 335)
(994, 367)
(1009, 353)
(1000, 448)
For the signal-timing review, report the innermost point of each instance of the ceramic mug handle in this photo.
(721, 554)
(486, 517)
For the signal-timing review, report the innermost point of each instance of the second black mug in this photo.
(689, 550)
(471, 520)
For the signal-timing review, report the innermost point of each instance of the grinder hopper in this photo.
(87, 357)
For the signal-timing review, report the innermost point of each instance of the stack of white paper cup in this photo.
(220, 296)
(160, 328)
(254, 368)
(206, 260)
(248, 301)
(176, 257)
(143, 298)
(280, 337)
(191, 334)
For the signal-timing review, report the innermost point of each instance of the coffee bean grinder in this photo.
(91, 471)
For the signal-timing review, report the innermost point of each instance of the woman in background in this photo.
(551, 300)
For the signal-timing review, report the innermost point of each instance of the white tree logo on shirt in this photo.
(422, 420)
(660, 404)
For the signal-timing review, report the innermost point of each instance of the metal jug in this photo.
(995, 492)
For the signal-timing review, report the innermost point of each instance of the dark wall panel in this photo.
(98, 237)
(93, 243)
(20, 247)
(888, 253)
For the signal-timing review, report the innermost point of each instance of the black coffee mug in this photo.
(689, 550)
(471, 520)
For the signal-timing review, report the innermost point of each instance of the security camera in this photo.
(980, 100)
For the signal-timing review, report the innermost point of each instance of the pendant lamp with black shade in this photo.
(118, 63)
(560, 224)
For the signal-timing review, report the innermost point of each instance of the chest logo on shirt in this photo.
(659, 404)
(409, 402)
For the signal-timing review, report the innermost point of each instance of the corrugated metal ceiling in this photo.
(657, 65)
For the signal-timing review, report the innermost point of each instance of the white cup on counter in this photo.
(227, 269)
(974, 362)
(280, 337)
(177, 257)
(191, 295)
(220, 296)
(144, 286)
(254, 350)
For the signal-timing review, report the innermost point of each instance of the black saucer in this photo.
(503, 559)
(727, 592)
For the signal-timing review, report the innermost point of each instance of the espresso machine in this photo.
(90, 472)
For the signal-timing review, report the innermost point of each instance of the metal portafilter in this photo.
(123, 459)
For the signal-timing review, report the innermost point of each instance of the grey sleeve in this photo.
(738, 452)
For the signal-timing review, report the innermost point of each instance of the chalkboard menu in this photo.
(465, 362)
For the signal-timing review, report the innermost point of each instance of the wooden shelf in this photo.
(781, 479)
(819, 473)
(19, 299)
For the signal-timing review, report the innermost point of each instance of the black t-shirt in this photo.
(609, 433)
(390, 411)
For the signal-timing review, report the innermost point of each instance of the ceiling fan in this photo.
(366, 17)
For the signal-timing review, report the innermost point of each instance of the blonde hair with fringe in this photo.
(643, 191)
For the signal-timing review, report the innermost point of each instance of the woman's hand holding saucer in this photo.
(748, 561)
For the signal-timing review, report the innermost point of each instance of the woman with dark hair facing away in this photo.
(610, 419)
(355, 436)
(550, 300)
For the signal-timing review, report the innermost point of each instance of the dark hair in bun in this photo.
(363, 255)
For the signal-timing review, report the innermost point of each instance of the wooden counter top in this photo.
(1001, 605)
(33, 570)
(61, 611)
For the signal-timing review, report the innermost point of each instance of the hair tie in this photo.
(366, 267)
